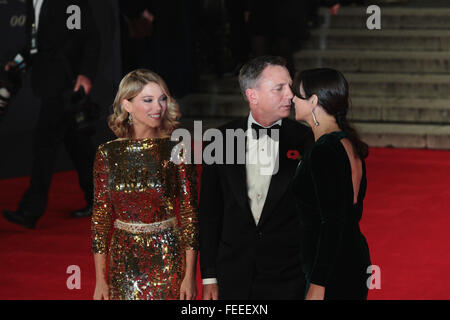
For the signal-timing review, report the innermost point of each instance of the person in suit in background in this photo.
(136, 26)
(62, 60)
(160, 35)
(313, 10)
(249, 239)
(278, 29)
(282, 28)
(238, 16)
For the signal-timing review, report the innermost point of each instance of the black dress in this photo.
(334, 252)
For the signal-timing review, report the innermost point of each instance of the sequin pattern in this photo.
(139, 182)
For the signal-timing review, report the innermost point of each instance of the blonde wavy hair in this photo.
(130, 86)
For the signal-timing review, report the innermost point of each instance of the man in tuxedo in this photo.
(249, 228)
(63, 59)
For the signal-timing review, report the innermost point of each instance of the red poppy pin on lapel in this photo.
(294, 155)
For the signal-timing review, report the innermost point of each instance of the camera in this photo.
(10, 83)
(82, 111)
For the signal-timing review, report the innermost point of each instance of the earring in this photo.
(315, 120)
(130, 119)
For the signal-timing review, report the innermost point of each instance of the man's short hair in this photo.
(250, 72)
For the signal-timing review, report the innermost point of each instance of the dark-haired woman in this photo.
(330, 184)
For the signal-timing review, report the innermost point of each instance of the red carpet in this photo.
(406, 222)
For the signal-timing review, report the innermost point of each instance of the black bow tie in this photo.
(259, 132)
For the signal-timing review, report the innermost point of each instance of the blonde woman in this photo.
(152, 251)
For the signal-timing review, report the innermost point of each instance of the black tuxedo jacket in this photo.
(63, 54)
(233, 248)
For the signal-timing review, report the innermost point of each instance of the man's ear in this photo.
(252, 96)
(126, 105)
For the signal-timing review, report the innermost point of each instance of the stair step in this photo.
(201, 106)
(392, 18)
(418, 40)
(434, 111)
(412, 3)
(375, 61)
(383, 85)
(388, 85)
(405, 135)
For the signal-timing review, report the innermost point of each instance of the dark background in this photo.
(16, 129)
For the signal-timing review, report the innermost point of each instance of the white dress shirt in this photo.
(37, 4)
(261, 163)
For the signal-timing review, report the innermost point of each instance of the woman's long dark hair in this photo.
(331, 89)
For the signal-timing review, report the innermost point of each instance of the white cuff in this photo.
(209, 281)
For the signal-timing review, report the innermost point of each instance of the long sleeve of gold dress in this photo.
(144, 216)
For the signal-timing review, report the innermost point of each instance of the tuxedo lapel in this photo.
(30, 13)
(236, 173)
(238, 181)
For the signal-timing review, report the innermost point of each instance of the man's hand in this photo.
(10, 65)
(211, 292)
(148, 15)
(315, 292)
(83, 81)
(334, 9)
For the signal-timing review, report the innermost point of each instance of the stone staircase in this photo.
(399, 76)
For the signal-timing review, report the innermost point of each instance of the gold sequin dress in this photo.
(144, 216)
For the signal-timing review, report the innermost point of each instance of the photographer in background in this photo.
(63, 60)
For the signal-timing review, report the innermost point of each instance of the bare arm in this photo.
(315, 292)
(187, 174)
(101, 225)
(191, 263)
(188, 289)
(101, 285)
